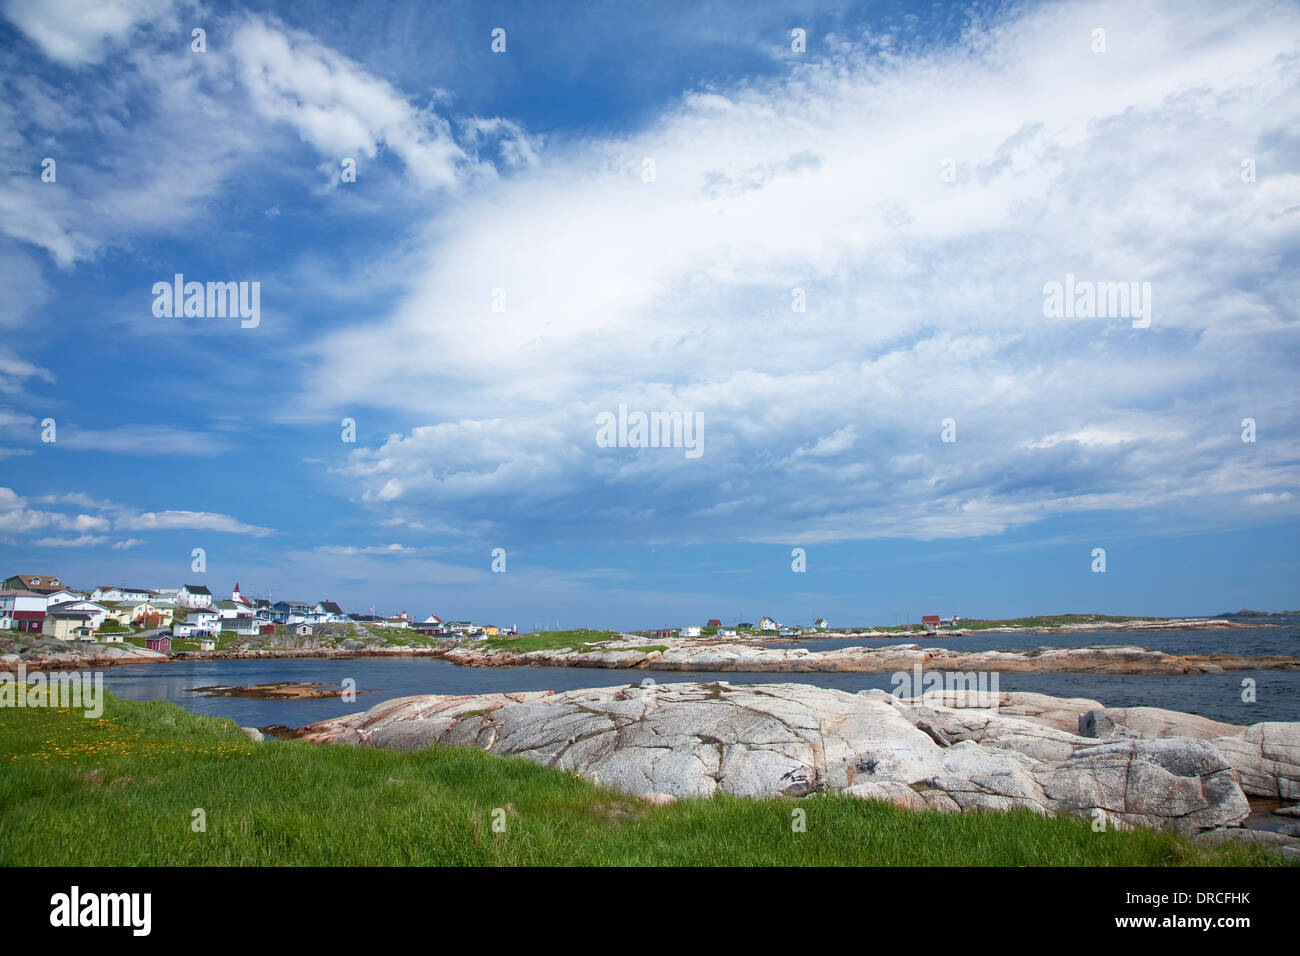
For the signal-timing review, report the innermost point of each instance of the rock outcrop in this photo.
(1266, 756)
(49, 654)
(695, 739)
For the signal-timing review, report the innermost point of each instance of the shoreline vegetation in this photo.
(126, 790)
(649, 650)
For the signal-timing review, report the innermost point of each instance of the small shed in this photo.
(159, 642)
(301, 629)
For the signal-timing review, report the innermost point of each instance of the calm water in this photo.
(1248, 642)
(1212, 695)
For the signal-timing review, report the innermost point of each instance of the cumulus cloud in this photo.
(18, 516)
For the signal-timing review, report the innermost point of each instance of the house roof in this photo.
(65, 605)
(20, 594)
(330, 607)
(47, 582)
(196, 589)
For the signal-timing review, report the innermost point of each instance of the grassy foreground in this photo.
(121, 790)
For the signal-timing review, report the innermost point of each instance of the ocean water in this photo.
(1248, 642)
(1218, 696)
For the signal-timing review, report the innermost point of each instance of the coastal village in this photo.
(191, 615)
(43, 604)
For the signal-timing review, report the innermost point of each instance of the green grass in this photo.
(583, 639)
(1053, 620)
(402, 637)
(121, 791)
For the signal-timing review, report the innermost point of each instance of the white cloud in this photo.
(143, 440)
(82, 541)
(187, 521)
(340, 108)
(1269, 498)
(924, 298)
(17, 516)
(77, 33)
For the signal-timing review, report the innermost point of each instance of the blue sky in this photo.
(921, 173)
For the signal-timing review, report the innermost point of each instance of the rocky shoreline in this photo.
(694, 655)
(1119, 767)
(680, 655)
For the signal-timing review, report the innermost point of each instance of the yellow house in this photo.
(140, 614)
(68, 626)
(490, 630)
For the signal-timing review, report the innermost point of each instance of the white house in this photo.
(186, 629)
(194, 595)
(63, 595)
(821, 624)
(690, 630)
(118, 595)
(24, 610)
(228, 610)
(767, 624)
(726, 632)
(326, 612)
(199, 621)
(245, 624)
